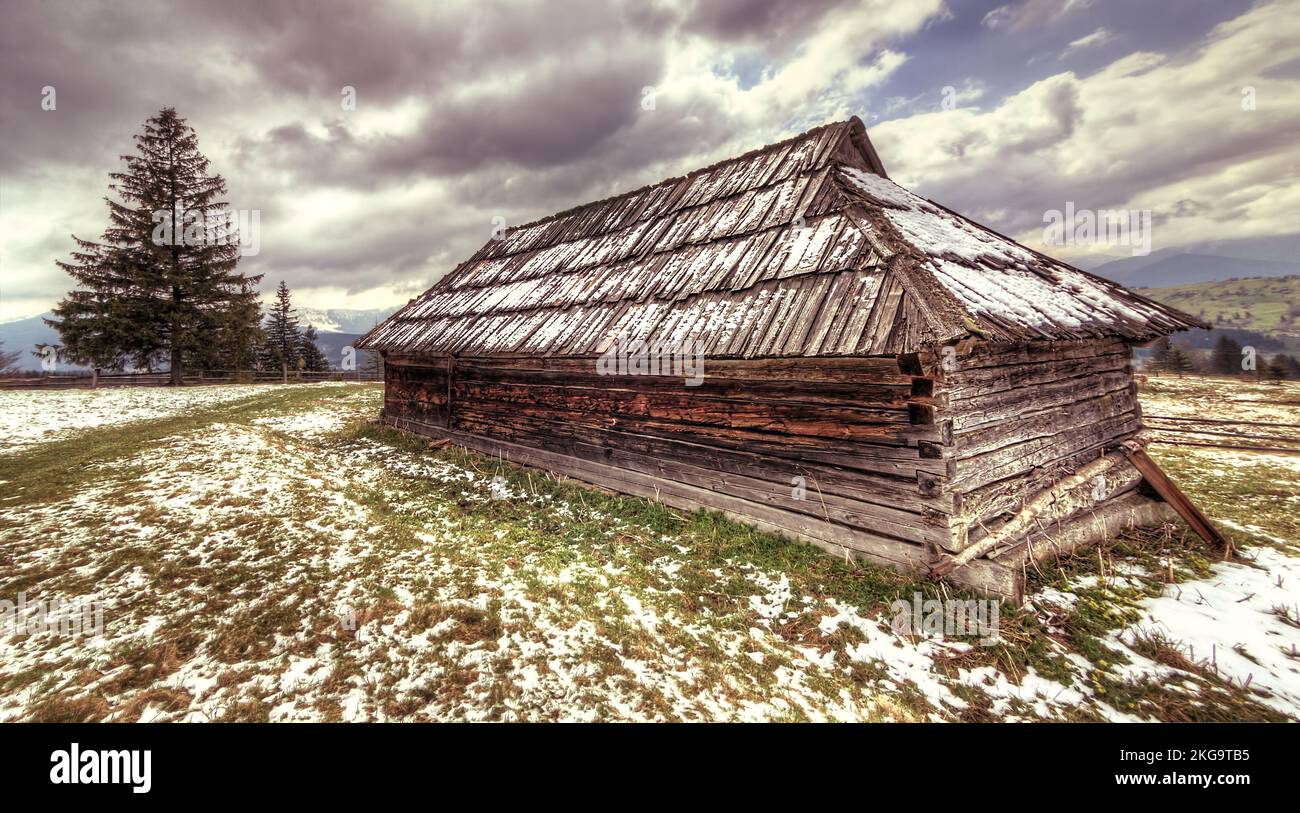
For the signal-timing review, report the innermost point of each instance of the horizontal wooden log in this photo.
(857, 393)
(1045, 423)
(972, 473)
(882, 489)
(819, 420)
(1011, 405)
(962, 385)
(987, 354)
(984, 576)
(858, 369)
(895, 460)
(917, 523)
(884, 521)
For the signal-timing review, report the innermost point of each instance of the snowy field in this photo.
(262, 554)
(27, 417)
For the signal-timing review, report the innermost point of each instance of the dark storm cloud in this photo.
(316, 48)
(772, 22)
(466, 111)
(561, 112)
(498, 89)
(112, 64)
(91, 55)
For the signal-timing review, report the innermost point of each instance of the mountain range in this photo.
(1169, 267)
(336, 320)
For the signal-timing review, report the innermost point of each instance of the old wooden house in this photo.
(862, 368)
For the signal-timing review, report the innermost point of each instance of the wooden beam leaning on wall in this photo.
(1061, 501)
(1077, 494)
(1172, 494)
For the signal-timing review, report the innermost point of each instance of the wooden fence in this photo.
(1215, 433)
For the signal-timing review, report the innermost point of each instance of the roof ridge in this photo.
(923, 257)
(847, 123)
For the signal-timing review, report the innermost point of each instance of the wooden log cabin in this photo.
(881, 376)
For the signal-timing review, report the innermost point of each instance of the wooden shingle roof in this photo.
(801, 248)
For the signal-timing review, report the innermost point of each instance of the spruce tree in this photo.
(1160, 355)
(8, 361)
(1177, 361)
(283, 346)
(313, 360)
(1226, 358)
(104, 323)
(1278, 369)
(236, 347)
(161, 284)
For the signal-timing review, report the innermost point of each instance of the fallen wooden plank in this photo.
(1173, 495)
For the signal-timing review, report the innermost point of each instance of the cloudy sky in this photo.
(466, 112)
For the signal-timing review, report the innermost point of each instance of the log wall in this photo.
(902, 459)
(1024, 416)
(852, 429)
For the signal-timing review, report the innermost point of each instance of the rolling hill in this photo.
(1269, 306)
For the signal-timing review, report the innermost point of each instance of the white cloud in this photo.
(1149, 131)
(1027, 14)
(1099, 37)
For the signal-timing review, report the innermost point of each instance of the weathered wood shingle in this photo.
(802, 248)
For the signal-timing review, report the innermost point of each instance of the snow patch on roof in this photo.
(992, 275)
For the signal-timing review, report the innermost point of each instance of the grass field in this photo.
(264, 553)
(1265, 305)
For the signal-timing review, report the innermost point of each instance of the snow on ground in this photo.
(307, 424)
(246, 577)
(1243, 621)
(1225, 398)
(28, 417)
(270, 566)
(1241, 624)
